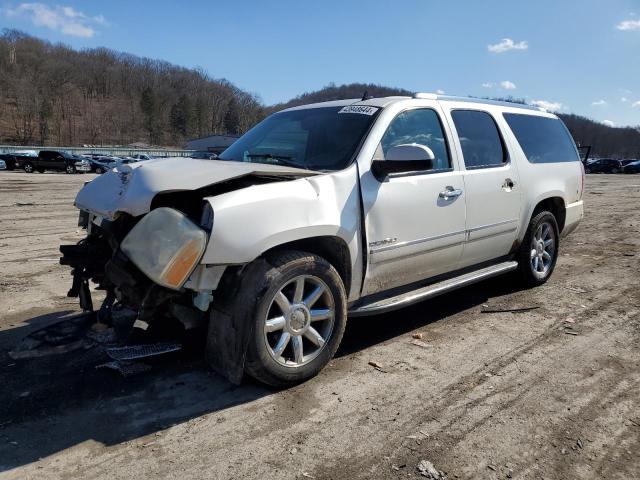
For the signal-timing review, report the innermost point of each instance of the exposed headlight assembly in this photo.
(166, 246)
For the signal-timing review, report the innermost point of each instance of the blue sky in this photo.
(579, 56)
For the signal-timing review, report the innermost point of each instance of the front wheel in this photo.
(70, 169)
(587, 170)
(28, 167)
(99, 170)
(538, 252)
(615, 170)
(299, 317)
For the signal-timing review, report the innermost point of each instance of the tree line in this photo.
(51, 94)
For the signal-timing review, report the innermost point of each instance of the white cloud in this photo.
(599, 103)
(608, 123)
(507, 85)
(623, 99)
(636, 104)
(551, 106)
(61, 19)
(507, 44)
(487, 85)
(629, 25)
(440, 92)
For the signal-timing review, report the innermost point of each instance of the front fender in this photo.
(250, 221)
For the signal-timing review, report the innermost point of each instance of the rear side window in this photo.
(480, 139)
(543, 139)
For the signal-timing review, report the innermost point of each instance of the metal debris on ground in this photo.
(126, 369)
(508, 310)
(134, 352)
(428, 470)
(60, 337)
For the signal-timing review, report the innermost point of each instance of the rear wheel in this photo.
(299, 317)
(70, 169)
(614, 170)
(587, 170)
(28, 167)
(99, 170)
(539, 250)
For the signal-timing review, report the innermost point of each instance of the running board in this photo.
(433, 290)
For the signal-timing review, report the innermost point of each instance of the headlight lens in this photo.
(166, 246)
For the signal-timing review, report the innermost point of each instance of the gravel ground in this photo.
(549, 393)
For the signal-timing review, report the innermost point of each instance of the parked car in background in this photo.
(3, 165)
(204, 155)
(101, 164)
(604, 165)
(9, 160)
(58, 160)
(358, 207)
(15, 160)
(141, 156)
(632, 167)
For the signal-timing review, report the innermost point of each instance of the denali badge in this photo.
(385, 241)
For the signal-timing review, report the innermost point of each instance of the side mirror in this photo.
(404, 158)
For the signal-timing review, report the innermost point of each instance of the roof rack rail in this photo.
(425, 96)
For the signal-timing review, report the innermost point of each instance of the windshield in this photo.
(322, 138)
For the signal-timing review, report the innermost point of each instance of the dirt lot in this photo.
(550, 393)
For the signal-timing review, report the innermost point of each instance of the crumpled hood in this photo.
(131, 188)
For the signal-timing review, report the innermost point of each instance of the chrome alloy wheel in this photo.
(543, 249)
(299, 321)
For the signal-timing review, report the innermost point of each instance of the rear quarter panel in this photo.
(539, 181)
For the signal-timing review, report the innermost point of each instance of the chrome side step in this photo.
(433, 290)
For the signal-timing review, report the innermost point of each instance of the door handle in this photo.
(449, 192)
(508, 184)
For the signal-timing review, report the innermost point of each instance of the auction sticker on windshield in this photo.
(361, 109)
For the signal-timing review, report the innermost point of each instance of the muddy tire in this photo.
(538, 253)
(297, 312)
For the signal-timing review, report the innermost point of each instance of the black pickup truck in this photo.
(56, 160)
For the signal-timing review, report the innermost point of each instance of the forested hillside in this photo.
(54, 95)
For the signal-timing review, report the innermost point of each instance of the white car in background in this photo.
(353, 207)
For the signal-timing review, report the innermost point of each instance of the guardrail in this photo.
(117, 151)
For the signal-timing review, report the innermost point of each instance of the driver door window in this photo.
(420, 126)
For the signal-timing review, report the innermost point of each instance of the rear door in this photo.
(491, 183)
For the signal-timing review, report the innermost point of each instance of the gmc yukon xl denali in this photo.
(321, 212)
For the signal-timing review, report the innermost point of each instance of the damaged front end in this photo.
(147, 230)
(142, 265)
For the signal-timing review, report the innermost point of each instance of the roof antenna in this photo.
(366, 96)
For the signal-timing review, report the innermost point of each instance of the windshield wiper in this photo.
(282, 159)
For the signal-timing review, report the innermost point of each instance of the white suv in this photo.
(323, 211)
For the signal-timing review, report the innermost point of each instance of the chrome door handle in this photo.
(508, 184)
(450, 192)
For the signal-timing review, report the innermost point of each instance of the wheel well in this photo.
(333, 249)
(554, 205)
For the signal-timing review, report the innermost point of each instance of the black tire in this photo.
(614, 170)
(40, 170)
(99, 170)
(70, 169)
(531, 276)
(28, 167)
(277, 272)
(587, 170)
